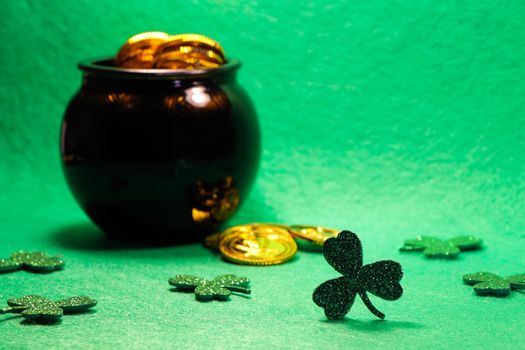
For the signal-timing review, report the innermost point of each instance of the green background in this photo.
(390, 118)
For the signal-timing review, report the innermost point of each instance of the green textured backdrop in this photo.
(391, 118)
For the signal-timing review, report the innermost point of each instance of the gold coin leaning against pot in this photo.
(139, 50)
(257, 244)
(313, 234)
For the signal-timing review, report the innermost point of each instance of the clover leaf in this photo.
(219, 288)
(36, 261)
(337, 296)
(43, 310)
(433, 247)
(486, 283)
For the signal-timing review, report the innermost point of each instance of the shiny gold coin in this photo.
(193, 40)
(313, 234)
(197, 51)
(205, 53)
(139, 50)
(159, 50)
(177, 60)
(257, 244)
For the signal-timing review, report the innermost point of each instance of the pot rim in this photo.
(106, 67)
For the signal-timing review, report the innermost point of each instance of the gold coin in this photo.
(194, 40)
(178, 60)
(139, 50)
(257, 244)
(314, 234)
(159, 50)
(189, 51)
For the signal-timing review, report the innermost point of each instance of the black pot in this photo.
(160, 154)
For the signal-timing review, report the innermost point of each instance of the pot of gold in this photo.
(161, 142)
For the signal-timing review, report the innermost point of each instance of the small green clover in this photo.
(345, 254)
(36, 262)
(219, 288)
(43, 310)
(486, 283)
(437, 248)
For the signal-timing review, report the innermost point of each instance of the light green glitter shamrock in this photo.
(445, 249)
(219, 288)
(42, 310)
(486, 283)
(37, 262)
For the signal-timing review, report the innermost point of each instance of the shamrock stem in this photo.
(13, 310)
(238, 289)
(369, 305)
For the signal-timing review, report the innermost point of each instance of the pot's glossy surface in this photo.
(160, 155)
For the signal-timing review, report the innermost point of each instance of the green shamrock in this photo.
(437, 248)
(37, 262)
(345, 254)
(486, 283)
(42, 310)
(219, 288)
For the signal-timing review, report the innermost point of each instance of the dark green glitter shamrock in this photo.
(436, 248)
(345, 254)
(37, 262)
(486, 283)
(41, 309)
(219, 288)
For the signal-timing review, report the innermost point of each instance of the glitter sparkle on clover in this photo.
(43, 310)
(486, 283)
(35, 261)
(344, 253)
(219, 288)
(441, 249)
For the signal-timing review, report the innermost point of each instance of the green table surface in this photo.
(391, 118)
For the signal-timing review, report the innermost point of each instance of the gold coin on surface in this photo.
(257, 244)
(314, 234)
(139, 50)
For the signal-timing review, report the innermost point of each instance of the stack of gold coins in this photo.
(265, 244)
(159, 50)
